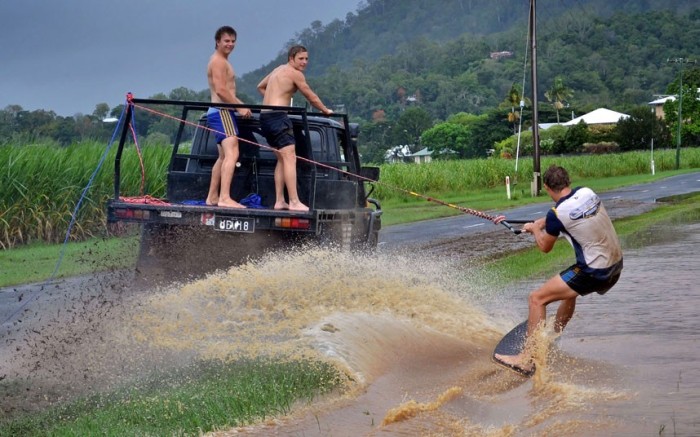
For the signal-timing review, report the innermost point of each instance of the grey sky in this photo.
(69, 55)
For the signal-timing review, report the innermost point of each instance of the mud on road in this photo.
(498, 241)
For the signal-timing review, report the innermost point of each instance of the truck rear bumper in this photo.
(247, 220)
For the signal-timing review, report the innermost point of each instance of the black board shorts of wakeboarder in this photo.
(512, 344)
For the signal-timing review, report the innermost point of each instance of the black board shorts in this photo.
(584, 283)
(277, 129)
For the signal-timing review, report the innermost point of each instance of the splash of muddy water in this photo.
(625, 366)
(416, 335)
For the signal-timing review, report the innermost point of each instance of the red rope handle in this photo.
(145, 200)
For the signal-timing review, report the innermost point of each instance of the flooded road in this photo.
(415, 333)
(627, 365)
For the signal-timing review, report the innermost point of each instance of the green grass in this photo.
(36, 262)
(205, 397)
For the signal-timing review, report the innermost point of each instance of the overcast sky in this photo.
(69, 55)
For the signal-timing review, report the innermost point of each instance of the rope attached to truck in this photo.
(496, 219)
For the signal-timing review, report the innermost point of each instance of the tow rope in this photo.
(496, 219)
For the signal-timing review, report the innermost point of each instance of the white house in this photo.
(598, 116)
(422, 156)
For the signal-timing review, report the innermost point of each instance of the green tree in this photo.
(101, 111)
(447, 137)
(558, 94)
(374, 141)
(410, 126)
(637, 131)
(513, 101)
(690, 127)
(574, 139)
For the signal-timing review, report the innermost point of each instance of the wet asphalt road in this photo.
(459, 226)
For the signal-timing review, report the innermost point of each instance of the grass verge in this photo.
(38, 261)
(205, 397)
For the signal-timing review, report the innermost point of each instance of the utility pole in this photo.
(680, 61)
(536, 182)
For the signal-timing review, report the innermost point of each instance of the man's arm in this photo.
(545, 242)
(245, 112)
(305, 89)
(262, 86)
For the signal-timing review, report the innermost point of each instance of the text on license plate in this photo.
(234, 224)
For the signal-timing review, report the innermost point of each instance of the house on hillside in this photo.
(501, 55)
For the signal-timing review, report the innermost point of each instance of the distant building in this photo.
(422, 156)
(658, 105)
(398, 154)
(598, 116)
(501, 55)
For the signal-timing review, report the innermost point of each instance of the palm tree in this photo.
(514, 99)
(557, 94)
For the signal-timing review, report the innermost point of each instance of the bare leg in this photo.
(564, 314)
(555, 289)
(289, 169)
(230, 149)
(280, 203)
(215, 183)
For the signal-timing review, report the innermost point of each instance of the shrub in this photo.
(601, 148)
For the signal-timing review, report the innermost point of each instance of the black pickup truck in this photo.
(180, 235)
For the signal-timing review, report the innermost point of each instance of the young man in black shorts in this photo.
(278, 87)
(580, 217)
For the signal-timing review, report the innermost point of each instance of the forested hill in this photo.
(608, 52)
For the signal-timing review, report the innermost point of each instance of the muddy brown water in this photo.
(415, 332)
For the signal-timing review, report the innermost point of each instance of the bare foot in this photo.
(212, 201)
(297, 206)
(230, 204)
(281, 205)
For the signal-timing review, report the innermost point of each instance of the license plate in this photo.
(234, 224)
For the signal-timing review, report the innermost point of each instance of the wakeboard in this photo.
(512, 344)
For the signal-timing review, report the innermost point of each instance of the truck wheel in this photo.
(171, 253)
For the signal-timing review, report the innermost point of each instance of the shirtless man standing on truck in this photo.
(277, 89)
(222, 84)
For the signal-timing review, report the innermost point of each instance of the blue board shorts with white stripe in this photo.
(223, 123)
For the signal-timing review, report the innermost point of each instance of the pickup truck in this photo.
(182, 236)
